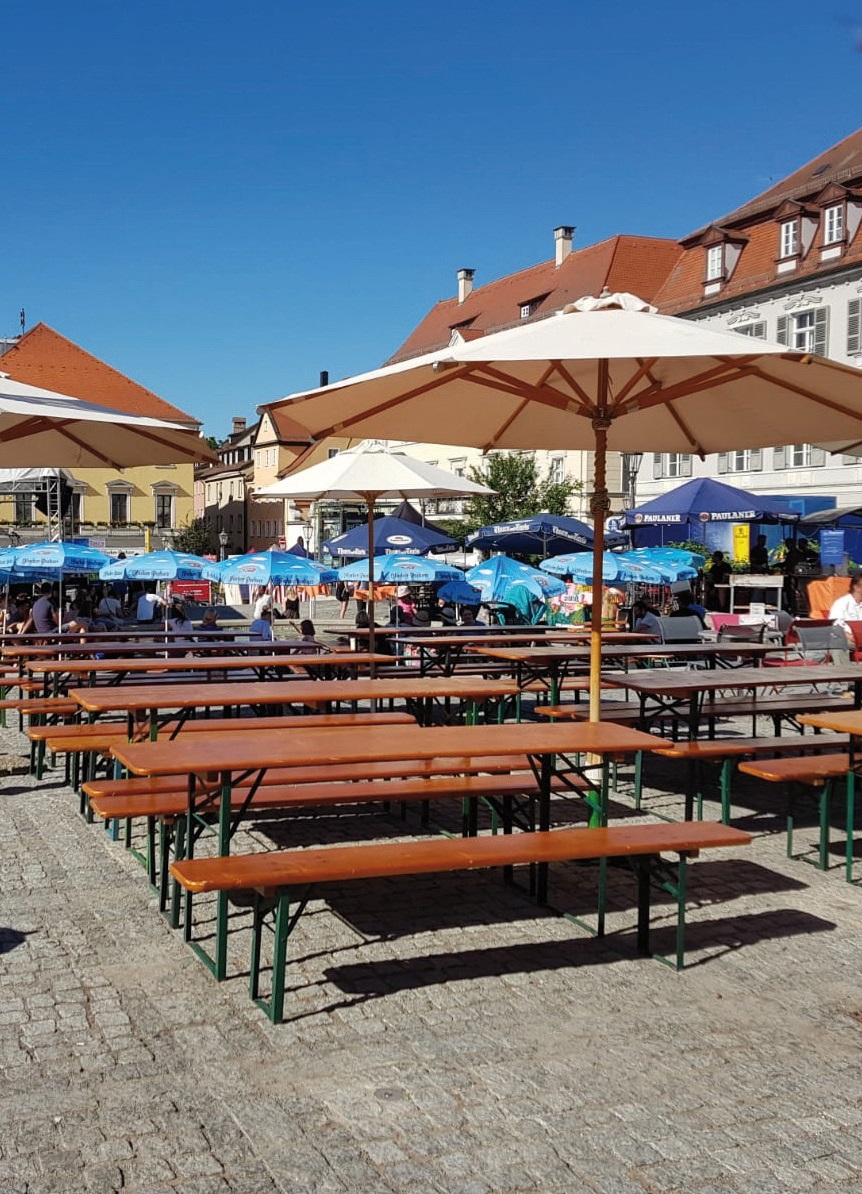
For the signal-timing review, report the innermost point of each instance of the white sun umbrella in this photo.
(603, 373)
(42, 428)
(369, 473)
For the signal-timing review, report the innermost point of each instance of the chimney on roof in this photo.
(465, 283)
(562, 243)
(237, 425)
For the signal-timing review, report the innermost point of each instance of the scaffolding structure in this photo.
(49, 491)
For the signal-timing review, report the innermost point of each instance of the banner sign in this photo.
(832, 547)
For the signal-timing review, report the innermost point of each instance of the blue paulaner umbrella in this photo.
(156, 565)
(391, 536)
(400, 570)
(270, 567)
(541, 534)
(502, 579)
(461, 592)
(706, 500)
(616, 567)
(60, 557)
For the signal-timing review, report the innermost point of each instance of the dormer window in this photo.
(531, 306)
(833, 224)
(714, 262)
(789, 245)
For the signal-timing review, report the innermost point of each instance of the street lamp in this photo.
(632, 462)
(222, 544)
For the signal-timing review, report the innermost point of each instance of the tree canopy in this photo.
(520, 491)
(194, 537)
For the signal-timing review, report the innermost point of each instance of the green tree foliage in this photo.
(519, 491)
(193, 536)
(213, 442)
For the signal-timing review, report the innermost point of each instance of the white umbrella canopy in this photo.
(603, 373)
(40, 427)
(369, 472)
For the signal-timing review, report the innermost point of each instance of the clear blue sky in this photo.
(223, 199)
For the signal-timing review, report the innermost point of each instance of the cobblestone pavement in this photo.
(445, 1034)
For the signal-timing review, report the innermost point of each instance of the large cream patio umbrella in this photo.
(369, 473)
(40, 428)
(603, 373)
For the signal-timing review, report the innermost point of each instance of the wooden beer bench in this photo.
(284, 878)
(820, 773)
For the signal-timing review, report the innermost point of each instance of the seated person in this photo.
(291, 602)
(687, 607)
(261, 627)
(19, 615)
(307, 641)
(645, 618)
(448, 614)
(405, 607)
(717, 574)
(177, 619)
(149, 604)
(209, 622)
(110, 609)
(847, 609)
(79, 617)
(469, 617)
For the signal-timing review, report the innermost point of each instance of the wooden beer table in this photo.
(325, 695)
(204, 759)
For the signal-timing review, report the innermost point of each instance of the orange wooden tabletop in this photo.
(287, 748)
(217, 663)
(281, 692)
(666, 682)
(847, 722)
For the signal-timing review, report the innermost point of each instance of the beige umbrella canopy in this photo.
(40, 428)
(602, 373)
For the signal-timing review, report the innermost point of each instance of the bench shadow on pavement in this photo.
(11, 938)
(714, 937)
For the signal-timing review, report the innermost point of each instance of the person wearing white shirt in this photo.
(263, 602)
(847, 609)
(645, 619)
(148, 604)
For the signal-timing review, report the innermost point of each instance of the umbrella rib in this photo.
(656, 394)
(340, 427)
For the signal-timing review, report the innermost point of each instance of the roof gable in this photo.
(42, 357)
(630, 263)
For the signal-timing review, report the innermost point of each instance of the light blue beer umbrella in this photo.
(270, 567)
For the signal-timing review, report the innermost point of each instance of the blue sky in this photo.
(221, 200)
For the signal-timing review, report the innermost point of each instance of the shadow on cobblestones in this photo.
(10, 939)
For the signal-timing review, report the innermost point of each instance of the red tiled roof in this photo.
(842, 163)
(42, 357)
(633, 263)
(756, 268)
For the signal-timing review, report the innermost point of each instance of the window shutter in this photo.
(722, 462)
(758, 330)
(854, 312)
(818, 456)
(756, 460)
(686, 465)
(656, 464)
(821, 326)
(779, 458)
(781, 331)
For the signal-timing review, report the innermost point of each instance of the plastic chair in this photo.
(855, 629)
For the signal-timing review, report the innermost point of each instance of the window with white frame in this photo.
(833, 224)
(789, 240)
(557, 470)
(671, 464)
(798, 456)
(714, 262)
(756, 330)
(119, 508)
(806, 331)
(743, 461)
(164, 510)
(458, 467)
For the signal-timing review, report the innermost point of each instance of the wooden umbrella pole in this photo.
(599, 507)
(370, 499)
